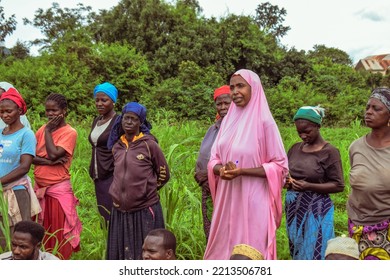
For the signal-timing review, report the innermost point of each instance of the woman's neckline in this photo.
(314, 151)
(7, 132)
(101, 121)
(373, 147)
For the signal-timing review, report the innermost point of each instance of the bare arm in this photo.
(44, 161)
(53, 152)
(20, 171)
(201, 177)
(328, 187)
(230, 171)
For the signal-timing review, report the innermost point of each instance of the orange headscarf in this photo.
(218, 92)
(221, 90)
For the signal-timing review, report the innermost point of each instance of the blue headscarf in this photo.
(117, 130)
(109, 89)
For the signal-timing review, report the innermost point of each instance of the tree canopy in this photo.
(7, 25)
(168, 56)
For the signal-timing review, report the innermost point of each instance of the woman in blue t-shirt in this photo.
(17, 150)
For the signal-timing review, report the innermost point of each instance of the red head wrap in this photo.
(221, 90)
(13, 94)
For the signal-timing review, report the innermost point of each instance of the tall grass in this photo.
(5, 234)
(181, 197)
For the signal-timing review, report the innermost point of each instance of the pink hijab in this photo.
(252, 129)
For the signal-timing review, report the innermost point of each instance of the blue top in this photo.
(12, 146)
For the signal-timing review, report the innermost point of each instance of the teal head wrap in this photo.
(314, 114)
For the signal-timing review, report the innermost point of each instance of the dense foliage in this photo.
(167, 55)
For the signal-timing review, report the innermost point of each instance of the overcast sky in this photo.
(358, 27)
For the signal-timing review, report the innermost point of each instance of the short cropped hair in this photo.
(36, 231)
(169, 239)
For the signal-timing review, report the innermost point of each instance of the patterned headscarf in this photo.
(248, 251)
(117, 130)
(109, 89)
(314, 114)
(13, 95)
(383, 95)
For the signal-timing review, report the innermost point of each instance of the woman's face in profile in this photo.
(240, 91)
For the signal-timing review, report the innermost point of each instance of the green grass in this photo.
(5, 234)
(181, 197)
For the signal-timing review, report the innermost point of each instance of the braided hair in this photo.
(59, 99)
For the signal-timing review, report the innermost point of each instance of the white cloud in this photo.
(372, 15)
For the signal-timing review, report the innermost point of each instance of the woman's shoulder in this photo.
(150, 139)
(331, 153)
(69, 129)
(28, 131)
(40, 129)
(23, 132)
(95, 120)
(330, 147)
(357, 143)
(295, 146)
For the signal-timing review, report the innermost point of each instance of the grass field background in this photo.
(181, 197)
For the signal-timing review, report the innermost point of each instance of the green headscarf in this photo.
(314, 114)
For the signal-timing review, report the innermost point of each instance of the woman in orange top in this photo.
(56, 141)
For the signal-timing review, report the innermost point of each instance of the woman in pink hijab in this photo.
(246, 172)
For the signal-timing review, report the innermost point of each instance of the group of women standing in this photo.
(245, 163)
(50, 150)
(316, 171)
(248, 167)
(127, 167)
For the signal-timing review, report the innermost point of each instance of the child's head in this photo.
(342, 248)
